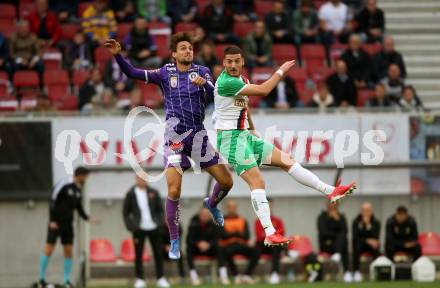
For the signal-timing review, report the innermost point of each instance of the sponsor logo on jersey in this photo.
(176, 147)
(173, 81)
(240, 103)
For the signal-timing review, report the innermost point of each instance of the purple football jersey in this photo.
(183, 99)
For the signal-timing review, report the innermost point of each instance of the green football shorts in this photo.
(242, 150)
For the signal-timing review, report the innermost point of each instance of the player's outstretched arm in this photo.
(267, 86)
(115, 48)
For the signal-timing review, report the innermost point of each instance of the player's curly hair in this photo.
(180, 37)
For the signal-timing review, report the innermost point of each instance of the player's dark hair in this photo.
(180, 37)
(402, 210)
(233, 50)
(81, 171)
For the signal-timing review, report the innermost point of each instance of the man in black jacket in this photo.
(143, 216)
(402, 235)
(366, 232)
(358, 62)
(342, 86)
(371, 22)
(202, 240)
(386, 57)
(332, 230)
(278, 23)
(66, 198)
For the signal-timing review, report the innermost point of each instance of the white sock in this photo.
(223, 272)
(193, 274)
(261, 208)
(309, 179)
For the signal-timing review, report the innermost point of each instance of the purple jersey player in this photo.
(185, 87)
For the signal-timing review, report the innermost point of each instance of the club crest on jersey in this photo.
(173, 81)
(193, 75)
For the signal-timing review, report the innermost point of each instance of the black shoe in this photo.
(68, 285)
(41, 284)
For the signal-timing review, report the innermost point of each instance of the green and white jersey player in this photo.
(241, 147)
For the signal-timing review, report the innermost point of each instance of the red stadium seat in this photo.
(300, 76)
(79, 77)
(163, 45)
(123, 30)
(3, 84)
(8, 11)
(261, 74)
(7, 29)
(127, 251)
(262, 7)
(151, 94)
(102, 55)
(283, 52)
(430, 242)
(241, 29)
(219, 51)
(101, 250)
(201, 5)
(28, 101)
(185, 27)
(363, 95)
(157, 25)
(25, 8)
(313, 55)
(372, 49)
(302, 244)
(336, 50)
(57, 84)
(320, 73)
(70, 103)
(8, 103)
(69, 30)
(52, 59)
(26, 78)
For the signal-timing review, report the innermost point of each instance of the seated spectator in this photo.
(199, 37)
(136, 100)
(44, 104)
(402, 235)
(153, 10)
(275, 252)
(366, 233)
(79, 53)
(65, 10)
(278, 23)
(386, 57)
(371, 22)
(123, 9)
(115, 78)
(90, 88)
(393, 83)
(44, 24)
(284, 96)
(257, 47)
(334, 22)
(207, 56)
(410, 100)
(202, 240)
(243, 10)
(24, 50)
(182, 11)
(322, 98)
(305, 23)
(358, 62)
(380, 99)
(3, 53)
(342, 86)
(98, 22)
(141, 45)
(218, 21)
(104, 102)
(234, 240)
(332, 234)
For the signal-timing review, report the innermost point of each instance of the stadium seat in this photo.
(300, 76)
(57, 84)
(8, 103)
(312, 55)
(185, 27)
(283, 52)
(3, 84)
(25, 8)
(430, 242)
(69, 30)
(69, 103)
(79, 77)
(151, 94)
(320, 73)
(102, 55)
(123, 30)
(219, 51)
(7, 14)
(241, 29)
(101, 250)
(127, 252)
(52, 59)
(302, 244)
(26, 78)
(363, 95)
(201, 4)
(157, 25)
(28, 101)
(7, 29)
(336, 50)
(372, 49)
(262, 7)
(163, 45)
